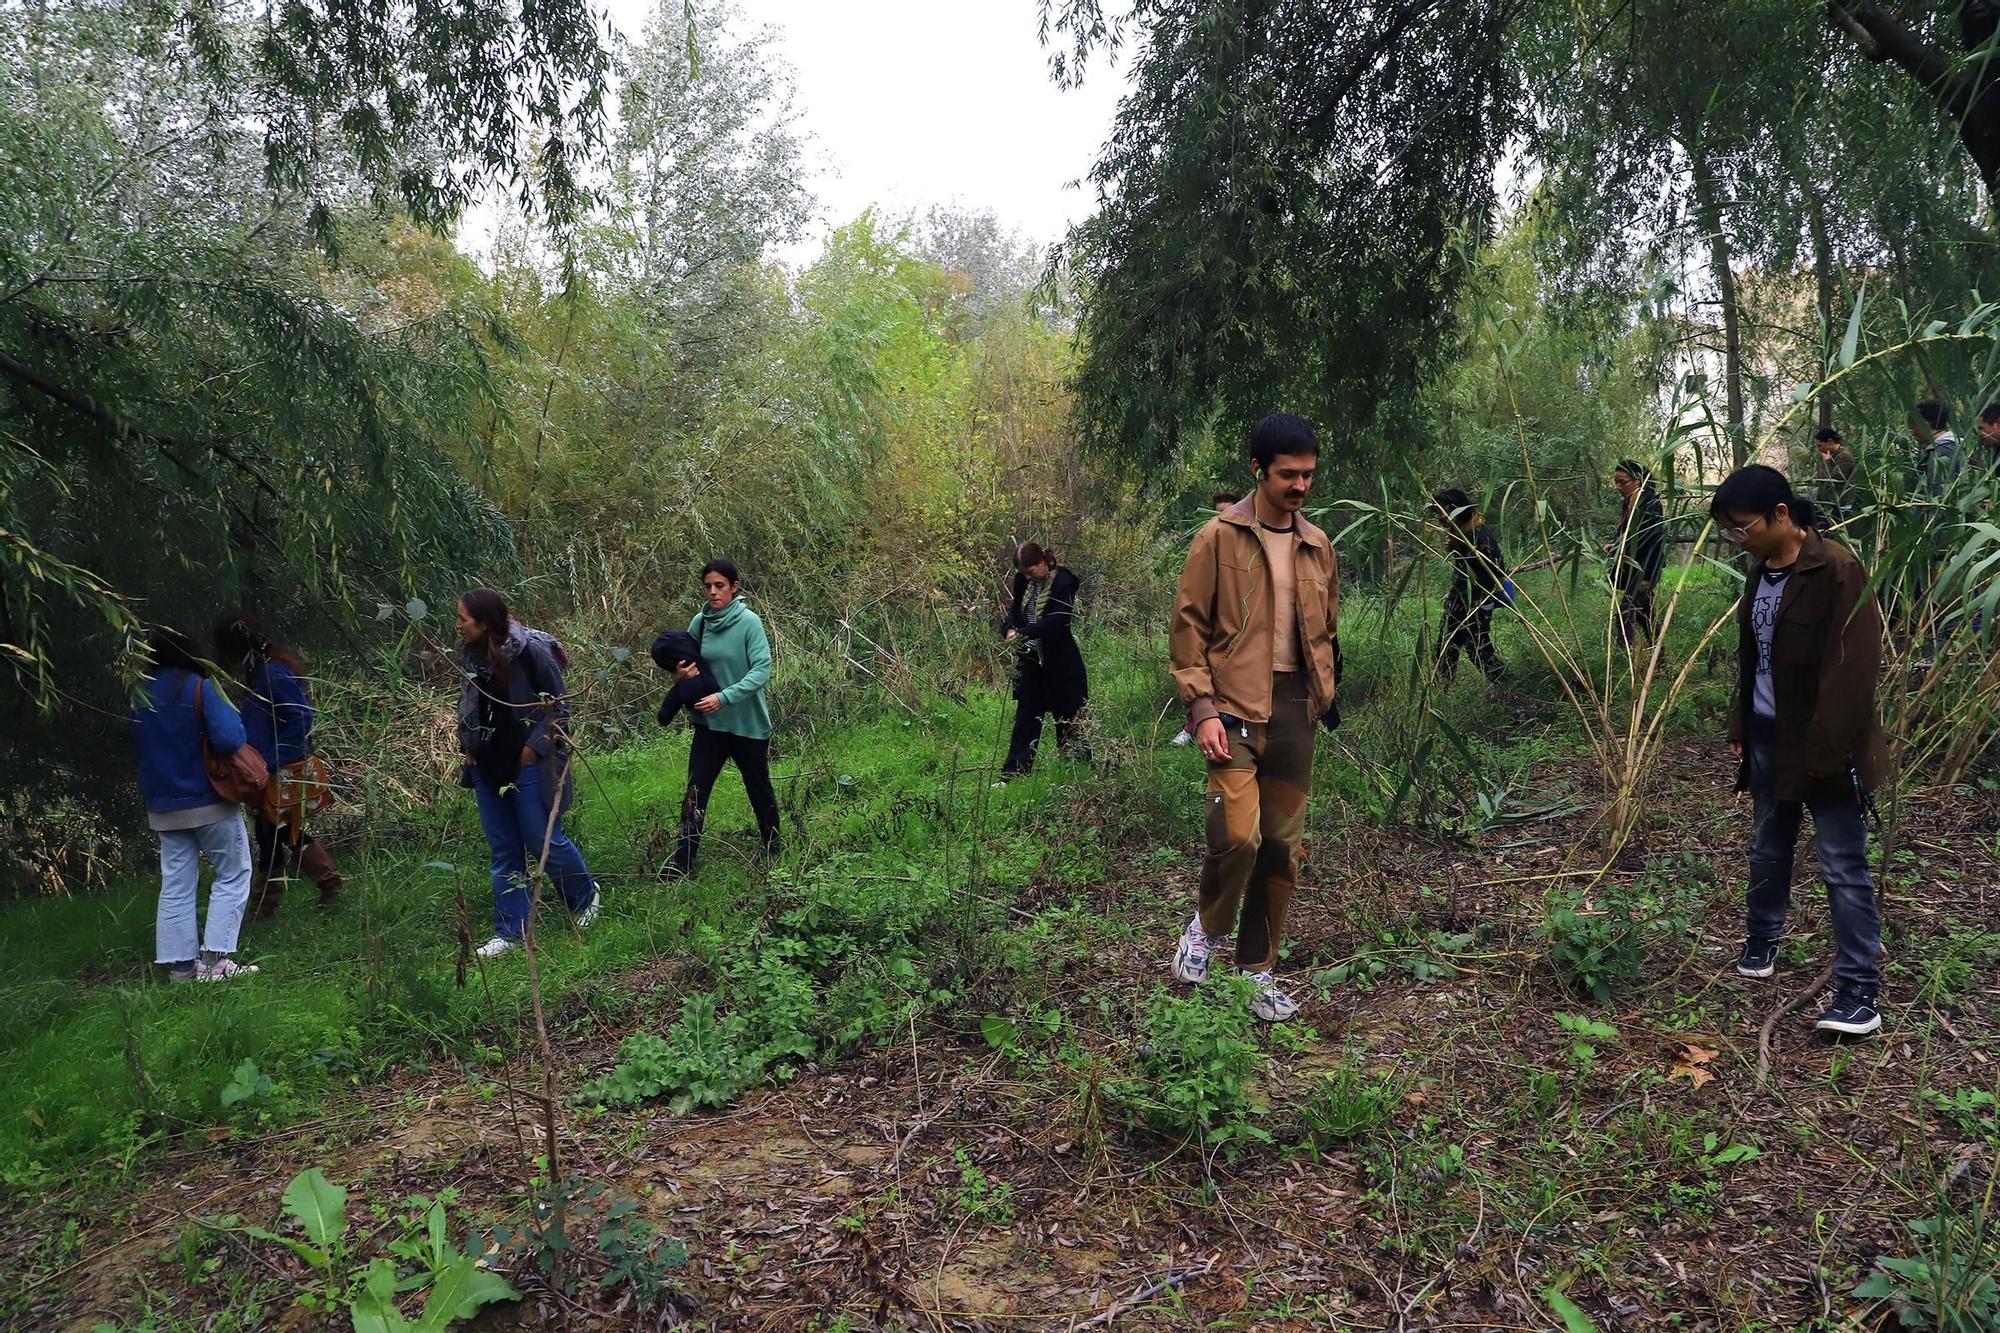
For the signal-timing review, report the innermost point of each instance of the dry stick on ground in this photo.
(1174, 1278)
(1771, 1023)
(535, 994)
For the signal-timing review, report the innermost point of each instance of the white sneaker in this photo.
(1191, 954)
(223, 969)
(1270, 1003)
(588, 916)
(496, 946)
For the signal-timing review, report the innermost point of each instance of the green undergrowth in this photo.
(901, 863)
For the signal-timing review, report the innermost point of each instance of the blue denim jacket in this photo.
(278, 717)
(171, 773)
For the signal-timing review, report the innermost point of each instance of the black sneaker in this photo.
(1759, 958)
(1853, 1013)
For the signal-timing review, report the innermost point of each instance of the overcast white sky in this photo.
(918, 102)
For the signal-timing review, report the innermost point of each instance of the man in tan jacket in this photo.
(1253, 657)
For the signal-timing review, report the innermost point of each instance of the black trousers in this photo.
(1469, 632)
(1031, 702)
(706, 756)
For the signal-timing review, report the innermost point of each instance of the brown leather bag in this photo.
(237, 777)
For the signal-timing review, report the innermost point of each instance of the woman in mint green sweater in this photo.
(734, 723)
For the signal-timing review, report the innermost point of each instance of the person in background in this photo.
(732, 725)
(1049, 676)
(182, 710)
(278, 720)
(1478, 583)
(1805, 728)
(1937, 459)
(1836, 471)
(1638, 551)
(511, 713)
(1221, 500)
(1987, 459)
(1253, 645)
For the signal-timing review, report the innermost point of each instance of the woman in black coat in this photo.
(1049, 675)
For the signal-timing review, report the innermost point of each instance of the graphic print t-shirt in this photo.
(1764, 623)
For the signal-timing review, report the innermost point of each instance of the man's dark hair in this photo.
(1990, 412)
(1634, 469)
(1758, 489)
(1224, 498)
(1454, 503)
(1934, 412)
(726, 568)
(1827, 433)
(1281, 433)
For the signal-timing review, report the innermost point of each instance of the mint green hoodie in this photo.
(736, 649)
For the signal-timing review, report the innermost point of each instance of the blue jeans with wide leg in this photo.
(1840, 835)
(516, 819)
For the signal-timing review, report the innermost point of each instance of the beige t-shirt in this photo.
(1279, 547)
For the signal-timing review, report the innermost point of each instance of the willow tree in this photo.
(1282, 207)
(188, 412)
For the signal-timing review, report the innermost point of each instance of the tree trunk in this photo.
(1823, 274)
(1969, 98)
(1708, 212)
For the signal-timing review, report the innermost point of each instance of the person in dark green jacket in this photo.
(733, 725)
(1478, 585)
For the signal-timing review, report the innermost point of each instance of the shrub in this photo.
(1197, 1058)
(1594, 949)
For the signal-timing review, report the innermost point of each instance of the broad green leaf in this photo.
(374, 1307)
(1851, 344)
(998, 1031)
(312, 1254)
(462, 1289)
(1737, 1152)
(319, 1205)
(1572, 1315)
(248, 1081)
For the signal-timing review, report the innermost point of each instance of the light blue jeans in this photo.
(227, 845)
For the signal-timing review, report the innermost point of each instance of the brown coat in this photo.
(1826, 653)
(1220, 643)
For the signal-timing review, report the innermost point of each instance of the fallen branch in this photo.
(1764, 1036)
(1174, 1278)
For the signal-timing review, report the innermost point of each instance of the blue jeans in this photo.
(1840, 833)
(515, 821)
(227, 847)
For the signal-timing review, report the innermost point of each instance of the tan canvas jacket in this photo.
(1220, 643)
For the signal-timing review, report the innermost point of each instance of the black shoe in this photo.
(1852, 1014)
(1759, 958)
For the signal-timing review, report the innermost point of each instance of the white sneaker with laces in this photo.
(496, 946)
(1191, 954)
(588, 916)
(1270, 1003)
(223, 969)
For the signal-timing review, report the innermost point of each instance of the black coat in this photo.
(670, 650)
(1640, 545)
(1057, 679)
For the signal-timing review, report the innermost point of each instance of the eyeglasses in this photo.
(1738, 534)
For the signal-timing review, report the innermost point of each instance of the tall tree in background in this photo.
(1282, 204)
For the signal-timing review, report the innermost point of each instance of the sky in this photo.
(918, 102)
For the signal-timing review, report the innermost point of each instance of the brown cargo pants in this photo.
(1256, 814)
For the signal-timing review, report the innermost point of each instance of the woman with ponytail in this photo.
(512, 711)
(278, 719)
(1049, 677)
(1806, 730)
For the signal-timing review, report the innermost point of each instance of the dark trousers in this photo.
(282, 852)
(1031, 701)
(706, 756)
(1470, 632)
(1840, 834)
(1635, 613)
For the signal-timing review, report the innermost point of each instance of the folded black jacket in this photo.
(671, 650)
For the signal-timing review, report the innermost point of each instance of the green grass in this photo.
(106, 1059)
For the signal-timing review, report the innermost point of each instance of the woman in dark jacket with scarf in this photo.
(1478, 585)
(1638, 550)
(1049, 675)
(278, 719)
(1807, 731)
(511, 712)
